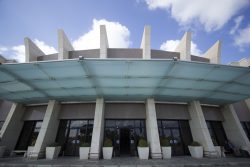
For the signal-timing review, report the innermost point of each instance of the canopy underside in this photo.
(128, 80)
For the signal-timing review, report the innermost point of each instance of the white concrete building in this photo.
(83, 96)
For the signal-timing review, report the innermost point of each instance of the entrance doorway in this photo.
(125, 135)
(124, 141)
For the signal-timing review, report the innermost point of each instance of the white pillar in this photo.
(184, 47)
(213, 53)
(103, 42)
(48, 131)
(31, 51)
(98, 130)
(233, 129)
(152, 129)
(199, 129)
(145, 43)
(64, 45)
(12, 126)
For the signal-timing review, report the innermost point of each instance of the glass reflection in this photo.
(28, 134)
(179, 132)
(72, 133)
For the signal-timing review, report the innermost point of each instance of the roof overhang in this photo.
(119, 79)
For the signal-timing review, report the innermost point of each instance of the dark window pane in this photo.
(167, 132)
(170, 124)
(139, 123)
(109, 123)
(62, 133)
(28, 134)
(159, 124)
(219, 133)
(128, 123)
(72, 133)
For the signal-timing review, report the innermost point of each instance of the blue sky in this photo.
(209, 21)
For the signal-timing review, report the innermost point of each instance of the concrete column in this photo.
(104, 45)
(233, 129)
(31, 51)
(199, 129)
(12, 126)
(64, 45)
(48, 131)
(98, 130)
(184, 47)
(152, 130)
(213, 53)
(145, 43)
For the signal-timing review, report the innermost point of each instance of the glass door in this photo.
(125, 135)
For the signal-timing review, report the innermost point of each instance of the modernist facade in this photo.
(123, 94)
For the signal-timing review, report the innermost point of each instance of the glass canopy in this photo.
(128, 80)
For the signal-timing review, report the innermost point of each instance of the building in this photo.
(123, 94)
(4, 60)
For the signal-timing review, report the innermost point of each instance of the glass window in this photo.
(72, 133)
(217, 132)
(246, 127)
(180, 134)
(28, 134)
(139, 123)
(1, 124)
(159, 124)
(110, 123)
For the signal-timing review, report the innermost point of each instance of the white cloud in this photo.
(170, 45)
(212, 14)
(242, 39)
(18, 53)
(237, 22)
(3, 49)
(118, 36)
(44, 47)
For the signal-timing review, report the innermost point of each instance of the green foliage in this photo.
(107, 143)
(195, 143)
(33, 142)
(53, 144)
(165, 142)
(143, 143)
(85, 145)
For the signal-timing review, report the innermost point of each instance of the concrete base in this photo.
(127, 161)
(199, 129)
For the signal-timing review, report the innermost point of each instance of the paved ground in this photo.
(125, 162)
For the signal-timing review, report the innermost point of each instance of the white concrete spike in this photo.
(145, 43)
(32, 51)
(184, 47)
(104, 45)
(64, 45)
(214, 53)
